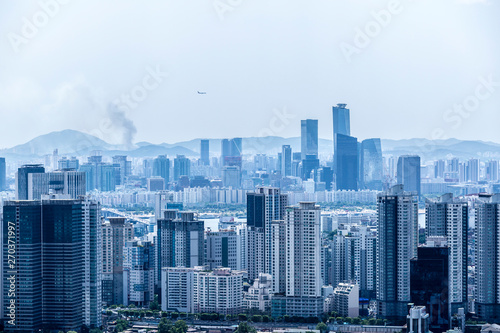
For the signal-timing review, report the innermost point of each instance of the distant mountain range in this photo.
(75, 143)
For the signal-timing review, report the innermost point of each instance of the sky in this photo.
(130, 71)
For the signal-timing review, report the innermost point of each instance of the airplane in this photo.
(202, 92)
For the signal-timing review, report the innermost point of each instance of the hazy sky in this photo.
(405, 68)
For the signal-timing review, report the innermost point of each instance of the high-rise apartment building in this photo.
(487, 275)
(397, 245)
(265, 205)
(303, 254)
(180, 241)
(448, 217)
(222, 249)
(115, 233)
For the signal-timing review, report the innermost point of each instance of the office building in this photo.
(22, 179)
(371, 165)
(397, 245)
(429, 276)
(286, 161)
(182, 167)
(138, 273)
(231, 176)
(123, 167)
(309, 138)
(3, 174)
(205, 152)
(161, 168)
(231, 151)
(115, 233)
(156, 184)
(439, 169)
(346, 162)
(341, 121)
(55, 280)
(72, 183)
(309, 165)
(409, 173)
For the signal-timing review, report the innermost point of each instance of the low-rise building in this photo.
(259, 294)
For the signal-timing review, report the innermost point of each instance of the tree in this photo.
(322, 327)
(155, 305)
(165, 326)
(180, 327)
(245, 328)
(121, 325)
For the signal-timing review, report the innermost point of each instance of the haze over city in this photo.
(251, 57)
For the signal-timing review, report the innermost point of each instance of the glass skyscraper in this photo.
(409, 172)
(52, 264)
(346, 162)
(371, 164)
(309, 138)
(341, 121)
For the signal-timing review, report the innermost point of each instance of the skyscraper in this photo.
(161, 168)
(182, 167)
(397, 245)
(205, 152)
(488, 257)
(303, 262)
(266, 204)
(68, 164)
(309, 138)
(409, 173)
(22, 179)
(341, 121)
(115, 232)
(51, 264)
(124, 168)
(371, 166)
(180, 240)
(346, 162)
(448, 217)
(138, 273)
(429, 277)
(3, 174)
(286, 161)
